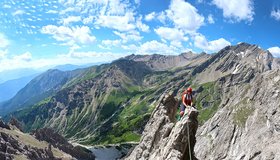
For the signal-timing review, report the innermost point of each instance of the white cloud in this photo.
(150, 16)
(88, 20)
(27, 56)
(276, 14)
(155, 47)
(184, 16)
(3, 53)
(130, 47)
(7, 6)
(143, 27)
(111, 42)
(129, 36)
(18, 12)
(15, 62)
(236, 10)
(52, 12)
(67, 10)
(275, 51)
(120, 23)
(117, 7)
(172, 34)
(70, 34)
(108, 44)
(213, 46)
(73, 48)
(118, 15)
(177, 44)
(162, 17)
(4, 42)
(71, 19)
(210, 19)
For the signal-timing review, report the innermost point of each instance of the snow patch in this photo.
(243, 54)
(237, 68)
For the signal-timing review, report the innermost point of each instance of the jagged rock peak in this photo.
(249, 50)
(14, 122)
(164, 138)
(4, 125)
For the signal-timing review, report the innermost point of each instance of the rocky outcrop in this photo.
(53, 138)
(11, 147)
(164, 138)
(14, 122)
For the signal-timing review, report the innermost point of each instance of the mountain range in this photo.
(9, 88)
(236, 92)
(14, 80)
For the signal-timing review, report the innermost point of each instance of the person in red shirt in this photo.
(187, 100)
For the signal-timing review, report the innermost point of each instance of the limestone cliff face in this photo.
(247, 124)
(164, 138)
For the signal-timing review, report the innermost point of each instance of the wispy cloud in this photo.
(129, 36)
(4, 42)
(276, 14)
(71, 19)
(210, 19)
(18, 12)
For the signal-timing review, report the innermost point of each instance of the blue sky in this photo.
(38, 33)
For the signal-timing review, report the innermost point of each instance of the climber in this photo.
(187, 101)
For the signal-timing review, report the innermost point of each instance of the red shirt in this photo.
(187, 98)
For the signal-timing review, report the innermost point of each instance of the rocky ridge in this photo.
(16, 145)
(163, 138)
(162, 62)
